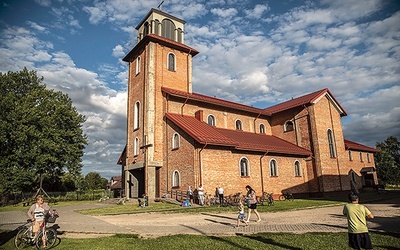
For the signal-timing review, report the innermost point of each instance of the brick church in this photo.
(177, 138)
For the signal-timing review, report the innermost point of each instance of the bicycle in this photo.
(45, 238)
(286, 196)
(267, 197)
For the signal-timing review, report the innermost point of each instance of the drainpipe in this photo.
(255, 128)
(261, 171)
(201, 164)
(184, 103)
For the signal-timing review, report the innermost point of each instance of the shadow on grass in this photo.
(270, 242)
(7, 236)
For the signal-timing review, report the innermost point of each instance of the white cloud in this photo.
(224, 13)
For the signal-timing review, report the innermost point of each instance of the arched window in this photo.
(136, 147)
(297, 168)
(273, 168)
(138, 62)
(361, 157)
(175, 141)
(211, 120)
(289, 126)
(156, 27)
(262, 129)
(176, 179)
(180, 33)
(136, 115)
(238, 125)
(171, 62)
(350, 156)
(146, 29)
(244, 167)
(168, 29)
(331, 143)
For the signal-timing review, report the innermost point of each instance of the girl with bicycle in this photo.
(251, 203)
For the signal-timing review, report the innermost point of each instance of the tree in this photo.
(40, 132)
(95, 181)
(388, 160)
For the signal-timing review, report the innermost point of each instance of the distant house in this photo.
(115, 185)
(177, 138)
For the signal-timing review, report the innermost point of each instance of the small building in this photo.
(177, 138)
(115, 186)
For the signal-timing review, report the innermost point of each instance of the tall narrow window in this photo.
(353, 176)
(297, 169)
(168, 29)
(361, 157)
(175, 179)
(136, 116)
(180, 35)
(289, 126)
(239, 125)
(350, 156)
(273, 168)
(244, 167)
(211, 120)
(146, 29)
(368, 159)
(136, 147)
(138, 62)
(175, 141)
(262, 129)
(156, 27)
(331, 143)
(171, 62)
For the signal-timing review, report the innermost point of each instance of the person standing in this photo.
(241, 215)
(200, 193)
(251, 203)
(357, 223)
(190, 195)
(220, 192)
(37, 212)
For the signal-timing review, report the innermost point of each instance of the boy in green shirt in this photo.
(357, 223)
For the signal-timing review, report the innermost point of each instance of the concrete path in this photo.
(326, 219)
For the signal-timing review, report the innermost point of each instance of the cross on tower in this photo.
(159, 6)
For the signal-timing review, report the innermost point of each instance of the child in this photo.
(357, 224)
(241, 215)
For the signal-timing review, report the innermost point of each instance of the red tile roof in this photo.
(205, 134)
(161, 40)
(304, 100)
(212, 100)
(350, 145)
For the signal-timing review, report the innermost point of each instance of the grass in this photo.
(279, 205)
(310, 241)
(256, 241)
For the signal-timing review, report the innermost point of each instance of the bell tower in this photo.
(159, 59)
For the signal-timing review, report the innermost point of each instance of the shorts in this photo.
(241, 216)
(252, 206)
(361, 240)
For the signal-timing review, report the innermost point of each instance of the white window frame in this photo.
(136, 115)
(138, 62)
(169, 63)
(246, 172)
(297, 169)
(238, 124)
(262, 128)
(211, 122)
(136, 146)
(285, 127)
(176, 175)
(176, 142)
(331, 143)
(273, 172)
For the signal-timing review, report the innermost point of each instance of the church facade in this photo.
(177, 138)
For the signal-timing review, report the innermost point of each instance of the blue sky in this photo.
(259, 53)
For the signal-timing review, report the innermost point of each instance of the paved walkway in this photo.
(326, 219)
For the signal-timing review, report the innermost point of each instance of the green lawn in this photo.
(315, 241)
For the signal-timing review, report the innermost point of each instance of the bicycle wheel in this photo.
(290, 197)
(48, 241)
(22, 238)
(282, 197)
